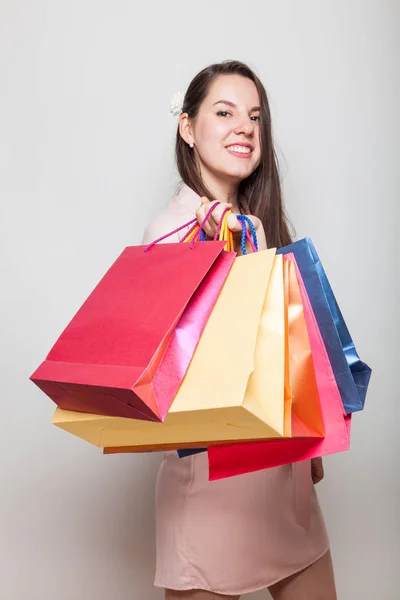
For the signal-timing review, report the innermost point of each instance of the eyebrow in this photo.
(228, 103)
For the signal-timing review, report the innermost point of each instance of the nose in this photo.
(244, 125)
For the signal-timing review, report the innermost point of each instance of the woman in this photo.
(231, 537)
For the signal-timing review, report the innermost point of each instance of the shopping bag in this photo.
(351, 374)
(235, 459)
(218, 398)
(302, 410)
(107, 359)
(303, 414)
(187, 333)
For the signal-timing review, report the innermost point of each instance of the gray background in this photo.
(86, 160)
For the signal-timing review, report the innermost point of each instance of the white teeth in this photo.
(241, 149)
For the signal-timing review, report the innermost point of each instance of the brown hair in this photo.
(260, 193)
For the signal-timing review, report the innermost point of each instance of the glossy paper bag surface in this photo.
(107, 358)
(218, 399)
(235, 459)
(302, 410)
(352, 375)
(302, 396)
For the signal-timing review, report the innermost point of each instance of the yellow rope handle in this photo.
(191, 236)
(225, 234)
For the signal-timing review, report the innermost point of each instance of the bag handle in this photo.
(196, 232)
(223, 233)
(167, 235)
(246, 235)
(192, 233)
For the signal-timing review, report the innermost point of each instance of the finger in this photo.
(211, 214)
(318, 464)
(209, 230)
(315, 476)
(234, 223)
(200, 216)
(201, 213)
(215, 211)
(218, 213)
(318, 474)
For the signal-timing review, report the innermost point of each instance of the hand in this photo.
(317, 470)
(210, 226)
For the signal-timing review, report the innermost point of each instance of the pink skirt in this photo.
(236, 535)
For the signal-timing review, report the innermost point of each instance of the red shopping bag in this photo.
(107, 359)
(235, 459)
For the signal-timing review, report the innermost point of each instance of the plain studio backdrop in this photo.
(86, 159)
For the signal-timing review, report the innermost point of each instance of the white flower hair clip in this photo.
(176, 104)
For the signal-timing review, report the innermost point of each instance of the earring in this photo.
(191, 145)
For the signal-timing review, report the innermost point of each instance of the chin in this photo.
(240, 170)
(238, 174)
(236, 171)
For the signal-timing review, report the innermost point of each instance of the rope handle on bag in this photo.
(223, 233)
(196, 232)
(167, 235)
(199, 231)
(192, 233)
(246, 235)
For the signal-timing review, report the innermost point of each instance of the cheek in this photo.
(213, 134)
(257, 153)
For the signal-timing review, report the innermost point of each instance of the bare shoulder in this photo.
(165, 222)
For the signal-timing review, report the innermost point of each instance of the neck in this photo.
(222, 190)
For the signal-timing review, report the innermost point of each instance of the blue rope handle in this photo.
(246, 221)
(243, 221)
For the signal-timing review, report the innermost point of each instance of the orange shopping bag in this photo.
(303, 416)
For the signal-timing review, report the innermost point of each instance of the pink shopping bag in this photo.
(238, 458)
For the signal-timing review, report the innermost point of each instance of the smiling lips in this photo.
(240, 150)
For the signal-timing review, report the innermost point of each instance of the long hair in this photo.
(259, 194)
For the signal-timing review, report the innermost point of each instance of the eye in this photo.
(256, 118)
(223, 113)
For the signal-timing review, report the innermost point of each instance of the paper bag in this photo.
(220, 397)
(107, 359)
(235, 459)
(351, 374)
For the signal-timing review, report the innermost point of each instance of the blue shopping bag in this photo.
(351, 373)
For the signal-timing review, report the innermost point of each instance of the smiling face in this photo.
(225, 131)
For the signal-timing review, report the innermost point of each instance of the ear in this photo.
(185, 128)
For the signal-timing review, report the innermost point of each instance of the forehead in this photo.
(234, 88)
